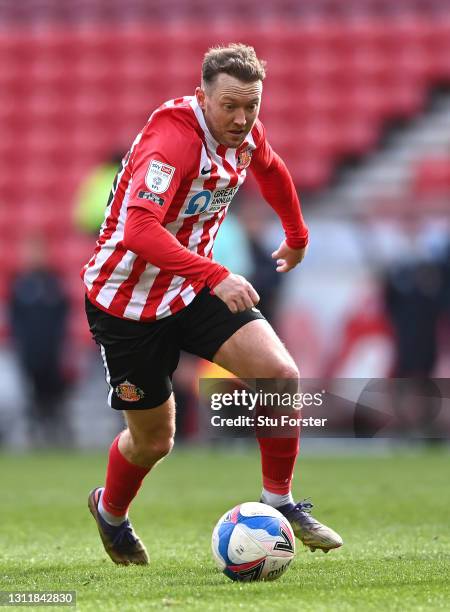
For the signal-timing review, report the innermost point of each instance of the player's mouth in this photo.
(235, 134)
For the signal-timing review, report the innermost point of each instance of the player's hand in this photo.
(287, 258)
(237, 293)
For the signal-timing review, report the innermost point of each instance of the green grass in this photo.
(392, 511)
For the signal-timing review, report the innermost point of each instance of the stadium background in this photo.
(357, 102)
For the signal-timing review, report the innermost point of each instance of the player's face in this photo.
(230, 108)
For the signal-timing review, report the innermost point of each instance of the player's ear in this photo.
(200, 95)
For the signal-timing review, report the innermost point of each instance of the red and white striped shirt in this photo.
(177, 172)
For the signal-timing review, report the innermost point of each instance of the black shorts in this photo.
(140, 358)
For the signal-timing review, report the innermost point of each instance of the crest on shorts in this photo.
(128, 392)
(244, 158)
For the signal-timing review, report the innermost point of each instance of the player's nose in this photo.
(239, 117)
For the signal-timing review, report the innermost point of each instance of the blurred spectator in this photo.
(414, 302)
(93, 194)
(257, 219)
(446, 281)
(444, 326)
(185, 384)
(38, 310)
(242, 246)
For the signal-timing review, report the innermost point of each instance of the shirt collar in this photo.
(211, 141)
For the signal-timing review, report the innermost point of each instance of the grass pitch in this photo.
(392, 511)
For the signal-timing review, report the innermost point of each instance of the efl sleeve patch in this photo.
(152, 197)
(159, 175)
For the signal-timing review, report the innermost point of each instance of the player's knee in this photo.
(159, 449)
(284, 369)
(150, 447)
(152, 452)
(160, 445)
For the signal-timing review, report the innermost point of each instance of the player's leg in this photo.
(149, 435)
(246, 345)
(147, 439)
(139, 360)
(255, 351)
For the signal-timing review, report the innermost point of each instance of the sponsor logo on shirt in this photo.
(159, 176)
(152, 197)
(210, 201)
(222, 197)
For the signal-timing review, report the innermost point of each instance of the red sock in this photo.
(123, 481)
(278, 457)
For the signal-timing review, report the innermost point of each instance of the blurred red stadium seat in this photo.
(432, 177)
(310, 173)
(358, 136)
(72, 254)
(74, 95)
(10, 256)
(407, 97)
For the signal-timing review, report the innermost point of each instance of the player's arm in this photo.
(149, 203)
(278, 189)
(145, 236)
(163, 158)
(164, 251)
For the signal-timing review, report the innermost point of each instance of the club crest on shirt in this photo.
(128, 392)
(159, 176)
(244, 158)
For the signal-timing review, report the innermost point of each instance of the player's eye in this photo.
(229, 107)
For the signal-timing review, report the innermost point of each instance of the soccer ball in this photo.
(253, 542)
